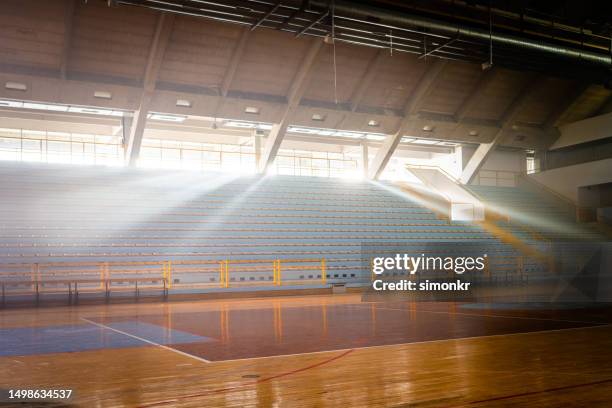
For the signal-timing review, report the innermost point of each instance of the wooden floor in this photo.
(316, 351)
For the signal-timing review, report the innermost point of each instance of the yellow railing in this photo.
(238, 272)
(97, 275)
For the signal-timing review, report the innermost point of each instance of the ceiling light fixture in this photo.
(103, 95)
(183, 103)
(318, 117)
(16, 86)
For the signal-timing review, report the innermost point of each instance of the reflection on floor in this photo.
(310, 351)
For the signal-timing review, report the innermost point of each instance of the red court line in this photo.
(526, 394)
(259, 381)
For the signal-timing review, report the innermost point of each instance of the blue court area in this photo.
(83, 337)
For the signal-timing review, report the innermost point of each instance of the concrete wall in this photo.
(595, 196)
(586, 130)
(464, 206)
(500, 168)
(567, 180)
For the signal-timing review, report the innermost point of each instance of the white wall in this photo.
(586, 130)
(566, 180)
(500, 168)
(463, 204)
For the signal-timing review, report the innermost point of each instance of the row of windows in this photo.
(238, 158)
(61, 147)
(56, 147)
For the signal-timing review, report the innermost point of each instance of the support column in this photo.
(257, 148)
(298, 88)
(364, 158)
(425, 85)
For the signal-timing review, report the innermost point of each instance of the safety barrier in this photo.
(74, 278)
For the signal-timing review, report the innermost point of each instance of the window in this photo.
(175, 154)
(60, 147)
(311, 163)
(533, 165)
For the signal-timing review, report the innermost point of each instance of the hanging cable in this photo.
(490, 35)
(334, 52)
(489, 64)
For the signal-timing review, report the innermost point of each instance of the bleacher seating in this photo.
(60, 220)
(534, 215)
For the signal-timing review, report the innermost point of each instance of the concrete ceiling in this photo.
(65, 50)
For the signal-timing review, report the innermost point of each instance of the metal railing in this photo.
(104, 278)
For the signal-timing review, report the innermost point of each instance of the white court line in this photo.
(415, 342)
(486, 315)
(146, 341)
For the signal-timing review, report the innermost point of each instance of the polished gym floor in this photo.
(310, 351)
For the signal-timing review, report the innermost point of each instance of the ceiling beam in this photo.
(163, 31)
(205, 102)
(68, 28)
(296, 92)
(605, 107)
(438, 48)
(565, 106)
(293, 15)
(266, 16)
(475, 93)
(425, 85)
(235, 60)
(367, 78)
(507, 122)
(312, 24)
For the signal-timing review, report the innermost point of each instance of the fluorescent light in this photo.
(166, 118)
(60, 108)
(103, 95)
(16, 86)
(11, 104)
(335, 133)
(237, 124)
(426, 142)
(247, 125)
(253, 110)
(45, 106)
(408, 139)
(91, 111)
(308, 131)
(352, 135)
(184, 103)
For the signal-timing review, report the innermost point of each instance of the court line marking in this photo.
(486, 315)
(596, 325)
(415, 342)
(203, 360)
(345, 352)
(529, 393)
(258, 381)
